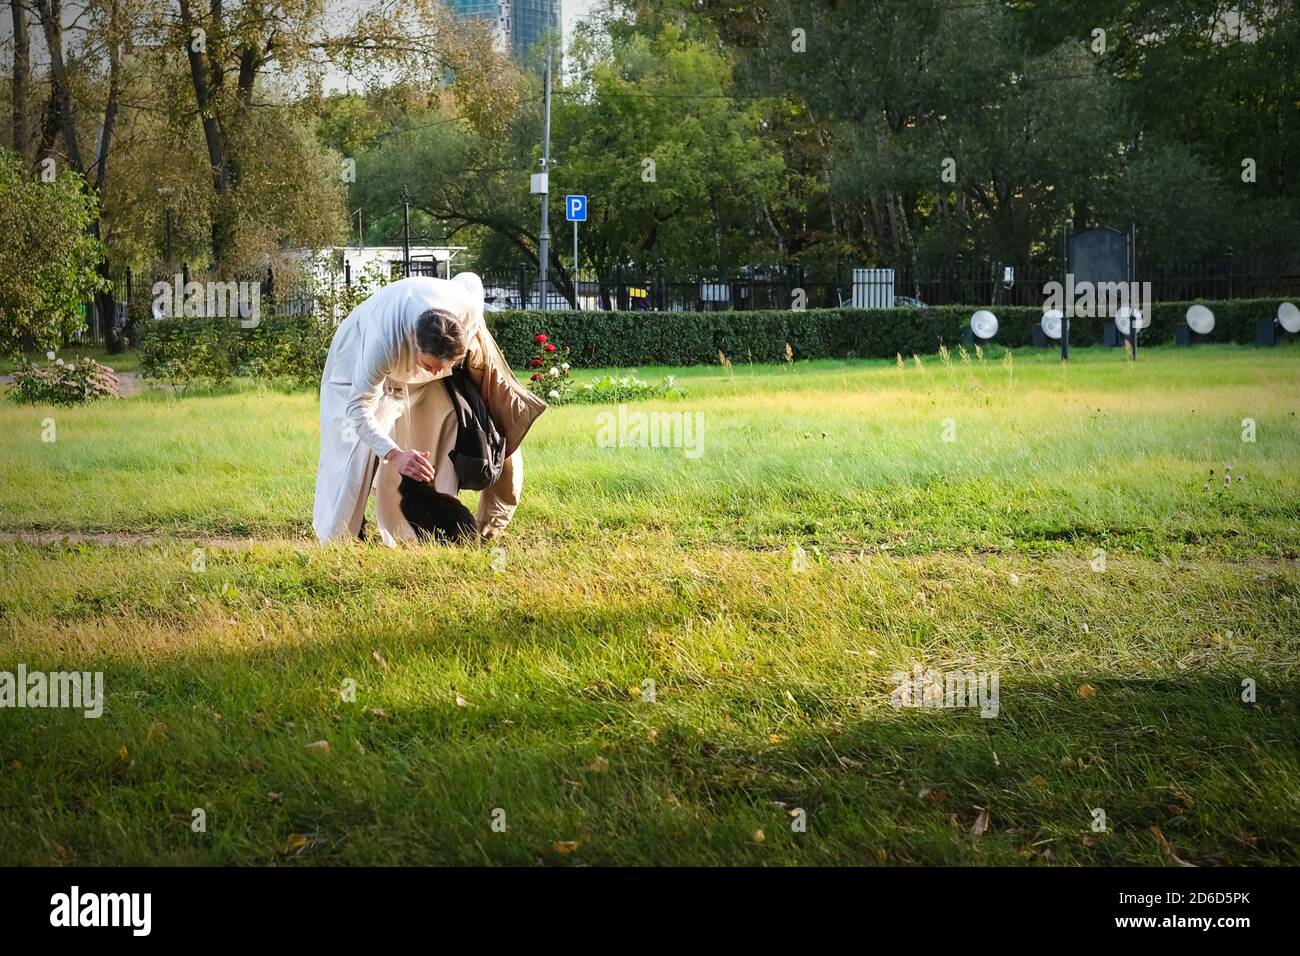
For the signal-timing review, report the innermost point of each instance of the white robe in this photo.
(373, 393)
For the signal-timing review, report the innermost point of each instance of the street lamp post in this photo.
(544, 235)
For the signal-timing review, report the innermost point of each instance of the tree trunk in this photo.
(22, 59)
(50, 13)
(213, 137)
(113, 338)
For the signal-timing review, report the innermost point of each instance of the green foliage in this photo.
(48, 259)
(190, 351)
(186, 352)
(63, 383)
(626, 388)
(633, 339)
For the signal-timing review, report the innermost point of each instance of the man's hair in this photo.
(440, 334)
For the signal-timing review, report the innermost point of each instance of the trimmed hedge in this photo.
(635, 339)
(185, 350)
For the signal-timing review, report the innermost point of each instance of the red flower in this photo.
(548, 347)
(539, 338)
(536, 376)
(535, 363)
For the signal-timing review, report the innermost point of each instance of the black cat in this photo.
(435, 515)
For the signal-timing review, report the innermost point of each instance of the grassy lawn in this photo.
(647, 675)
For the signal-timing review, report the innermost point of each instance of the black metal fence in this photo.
(972, 284)
(652, 289)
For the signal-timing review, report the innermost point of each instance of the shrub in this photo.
(629, 388)
(48, 258)
(192, 351)
(64, 383)
(184, 351)
(639, 339)
(188, 351)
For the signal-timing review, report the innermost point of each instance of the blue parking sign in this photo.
(575, 208)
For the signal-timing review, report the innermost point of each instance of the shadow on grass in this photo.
(416, 775)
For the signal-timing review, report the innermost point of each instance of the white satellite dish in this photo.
(1289, 317)
(984, 324)
(1126, 316)
(1052, 322)
(1200, 320)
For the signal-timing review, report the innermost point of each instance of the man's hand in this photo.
(413, 464)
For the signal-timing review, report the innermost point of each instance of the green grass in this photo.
(479, 689)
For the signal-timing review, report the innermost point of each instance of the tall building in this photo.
(517, 25)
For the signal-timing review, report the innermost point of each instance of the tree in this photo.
(645, 126)
(48, 260)
(229, 44)
(674, 164)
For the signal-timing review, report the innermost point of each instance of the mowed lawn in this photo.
(681, 658)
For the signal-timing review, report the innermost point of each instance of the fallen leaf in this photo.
(121, 753)
(565, 847)
(320, 747)
(296, 843)
(1086, 691)
(759, 836)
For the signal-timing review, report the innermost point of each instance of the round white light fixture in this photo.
(1289, 317)
(1200, 320)
(1126, 317)
(1052, 321)
(984, 324)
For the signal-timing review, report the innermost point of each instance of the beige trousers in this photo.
(421, 417)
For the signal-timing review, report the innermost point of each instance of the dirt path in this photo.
(121, 539)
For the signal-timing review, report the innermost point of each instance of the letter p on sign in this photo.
(575, 208)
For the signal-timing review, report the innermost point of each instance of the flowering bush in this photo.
(61, 383)
(548, 371)
(626, 389)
